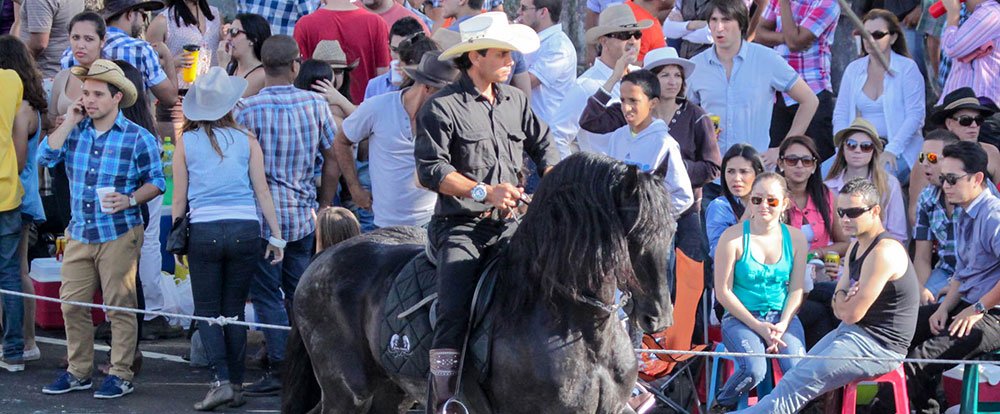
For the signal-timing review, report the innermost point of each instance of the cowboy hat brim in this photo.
(686, 65)
(595, 33)
(423, 79)
(129, 93)
(195, 112)
(516, 37)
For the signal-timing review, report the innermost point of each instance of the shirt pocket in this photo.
(475, 150)
(515, 144)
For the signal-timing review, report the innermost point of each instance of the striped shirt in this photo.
(980, 30)
(282, 14)
(125, 157)
(820, 18)
(118, 45)
(293, 126)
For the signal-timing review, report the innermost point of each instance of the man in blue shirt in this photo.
(966, 321)
(113, 166)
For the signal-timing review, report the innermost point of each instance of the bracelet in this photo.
(276, 242)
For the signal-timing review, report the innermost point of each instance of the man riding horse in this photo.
(469, 143)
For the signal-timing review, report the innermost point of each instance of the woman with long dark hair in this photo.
(139, 111)
(812, 202)
(244, 40)
(893, 104)
(86, 41)
(740, 166)
(27, 132)
(219, 173)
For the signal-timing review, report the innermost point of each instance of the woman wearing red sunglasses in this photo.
(858, 151)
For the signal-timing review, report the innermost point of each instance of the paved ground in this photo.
(166, 384)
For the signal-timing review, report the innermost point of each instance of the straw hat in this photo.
(446, 38)
(667, 56)
(961, 98)
(213, 95)
(859, 125)
(107, 71)
(114, 8)
(329, 51)
(492, 31)
(614, 19)
(431, 71)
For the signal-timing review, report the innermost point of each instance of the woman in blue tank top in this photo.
(759, 273)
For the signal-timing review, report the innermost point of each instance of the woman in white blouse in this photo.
(893, 102)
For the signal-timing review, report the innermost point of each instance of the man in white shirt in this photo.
(552, 68)
(387, 121)
(616, 32)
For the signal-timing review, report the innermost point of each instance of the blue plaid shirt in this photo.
(118, 45)
(293, 126)
(282, 14)
(126, 157)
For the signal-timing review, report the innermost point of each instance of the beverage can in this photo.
(60, 248)
(832, 258)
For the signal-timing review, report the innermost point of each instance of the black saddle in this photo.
(408, 318)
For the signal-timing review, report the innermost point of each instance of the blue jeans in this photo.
(902, 172)
(750, 371)
(269, 284)
(812, 378)
(10, 279)
(223, 257)
(915, 45)
(937, 280)
(366, 218)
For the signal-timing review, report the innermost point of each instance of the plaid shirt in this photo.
(293, 126)
(118, 45)
(933, 224)
(813, 64)
(126, 157)
(282, 14)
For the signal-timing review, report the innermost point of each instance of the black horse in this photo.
(595, 225)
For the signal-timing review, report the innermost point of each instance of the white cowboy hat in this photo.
(213, 95)
(667, 56)
(614, 19)
(492, 31)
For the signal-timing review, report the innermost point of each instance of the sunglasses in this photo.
(771, 201)
(854, 145)
(966, 120)
(952, 179)
(878, 34)
(233, 32)
(929, 156)
(853, 212)
(806, 161)
(625, 35)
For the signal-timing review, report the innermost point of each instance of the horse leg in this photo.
(388, 398)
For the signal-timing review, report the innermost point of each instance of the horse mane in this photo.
(575, 235)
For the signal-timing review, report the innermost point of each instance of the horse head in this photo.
(595, 226)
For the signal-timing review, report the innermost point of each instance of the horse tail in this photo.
(301, 391)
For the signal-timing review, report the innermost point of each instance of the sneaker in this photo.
(113, 387)
(33, 354)
(12, 365)
(268, 385)
(66, 383)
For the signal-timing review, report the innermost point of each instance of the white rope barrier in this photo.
(825, 357)
(219, 320)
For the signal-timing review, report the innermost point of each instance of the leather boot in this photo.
(444, 376)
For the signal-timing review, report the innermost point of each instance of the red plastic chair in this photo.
(894, 377)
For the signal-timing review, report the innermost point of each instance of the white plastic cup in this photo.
(395, 73)
(101, 193)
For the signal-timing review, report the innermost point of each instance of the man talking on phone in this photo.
(113, 166)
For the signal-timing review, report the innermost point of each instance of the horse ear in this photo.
(630, 184)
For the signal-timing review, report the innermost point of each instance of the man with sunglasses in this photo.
(964, 114)
(966, 321)
(617, 36)
(876, 300)
(933, 223)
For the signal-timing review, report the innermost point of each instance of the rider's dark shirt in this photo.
(459, 130)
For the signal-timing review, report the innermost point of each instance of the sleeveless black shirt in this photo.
(892, 318)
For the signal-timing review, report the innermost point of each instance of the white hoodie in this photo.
(647, 150)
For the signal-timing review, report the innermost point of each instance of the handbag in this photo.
(177, 240)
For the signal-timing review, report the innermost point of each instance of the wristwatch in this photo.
(131, 201)
(479, 193)
(979, 308)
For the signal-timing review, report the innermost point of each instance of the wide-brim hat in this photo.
(113, 8)
(432, 71)
(614, 19)
(446, 38)
(107, 71)
(667, 56)
(859, 125)
(329, 51)
(961, 98)
(492, 31)
(213, 95)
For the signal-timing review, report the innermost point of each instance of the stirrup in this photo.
(453, 400)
